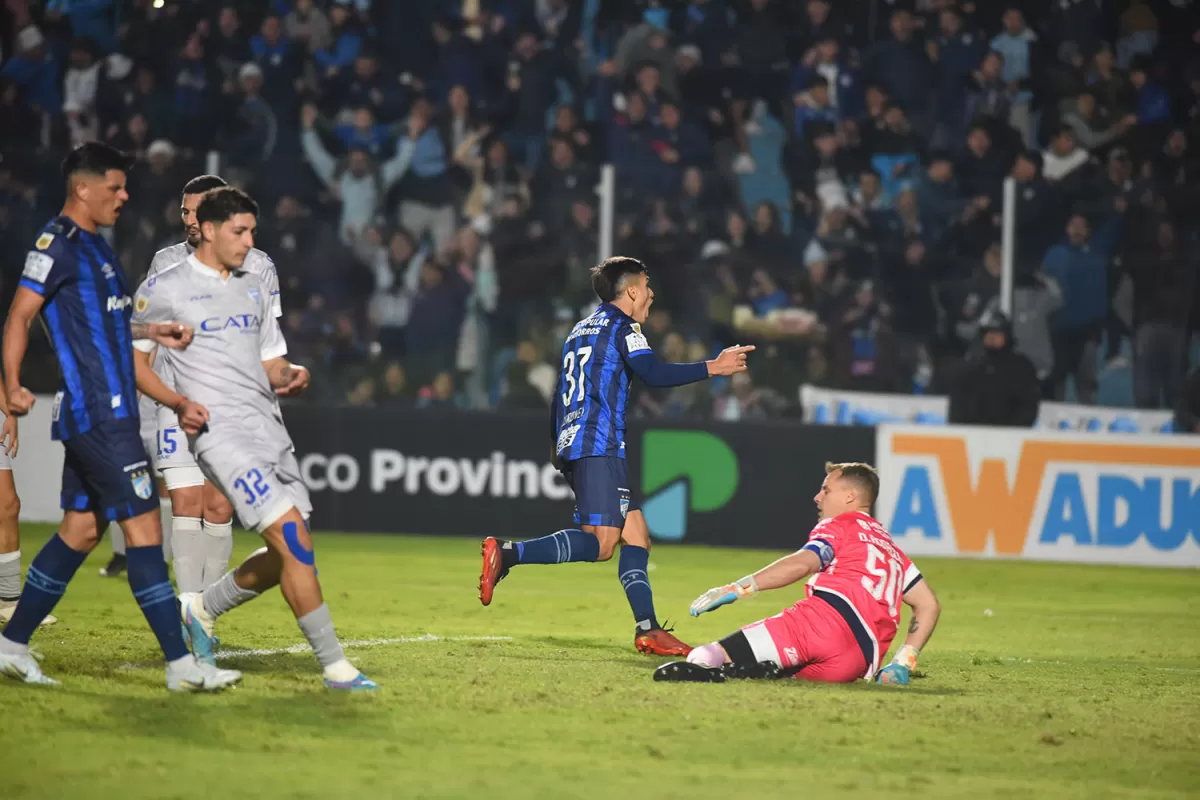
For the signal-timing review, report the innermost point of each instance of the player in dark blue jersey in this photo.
(72, 280)
(587, 415)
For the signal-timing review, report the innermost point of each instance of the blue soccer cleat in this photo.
(196, 634)
(893, 673)
(361, 683)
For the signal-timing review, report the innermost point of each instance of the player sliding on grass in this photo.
(588, 430)
(234, 367)
(840, 631)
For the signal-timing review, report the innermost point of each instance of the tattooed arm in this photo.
(169, 334)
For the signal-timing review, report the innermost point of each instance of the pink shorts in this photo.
(810, 635)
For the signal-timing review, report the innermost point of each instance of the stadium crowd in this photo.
(823, 179)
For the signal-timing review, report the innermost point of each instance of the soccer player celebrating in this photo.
(72, 279)
(844, 626)
(234, 367)
(588, 419)
(201, 517)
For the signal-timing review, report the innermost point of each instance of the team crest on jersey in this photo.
(44, 241)
(254, 295)
(143, 487)
(141, 305)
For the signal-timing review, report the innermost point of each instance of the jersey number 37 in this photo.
(574, 362)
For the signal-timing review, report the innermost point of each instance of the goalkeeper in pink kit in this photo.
(845, 624)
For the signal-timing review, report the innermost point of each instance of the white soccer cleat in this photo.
(200, 677)
(24, 668)
(8, 607)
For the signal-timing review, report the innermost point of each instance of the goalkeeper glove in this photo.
(723, 595)
(903, 663)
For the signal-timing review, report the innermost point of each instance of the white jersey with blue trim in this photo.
(235, 332)
(257, 263)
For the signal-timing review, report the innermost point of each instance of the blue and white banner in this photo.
(833, 407)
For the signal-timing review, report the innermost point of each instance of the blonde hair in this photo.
(862, 475)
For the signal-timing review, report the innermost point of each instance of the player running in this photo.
(844, 626)
(232, 367)
(10, 529)
(201, 518)
(72, 279)
(588, 429)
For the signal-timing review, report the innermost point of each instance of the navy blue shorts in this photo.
(106, 471)
(603, 495)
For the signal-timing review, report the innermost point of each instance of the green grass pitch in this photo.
(1081, 682)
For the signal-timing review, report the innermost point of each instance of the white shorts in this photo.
(262, 486)
(5, 458)
(174, 447)
(182, 477)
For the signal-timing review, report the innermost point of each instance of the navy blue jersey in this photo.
(86, 312)
(593, 387)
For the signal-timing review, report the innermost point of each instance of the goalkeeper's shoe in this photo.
(24, 668)
(198, 628)
(686, 672)
(660, 642)
(493, 570)
(893, 673)
(7, 607)
(763, 670)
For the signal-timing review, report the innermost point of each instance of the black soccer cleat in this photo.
(763, 670)
(115, 568)
(686, 672)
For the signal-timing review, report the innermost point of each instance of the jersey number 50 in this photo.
(888, 578)
(575, 383)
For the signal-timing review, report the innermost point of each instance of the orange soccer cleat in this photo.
(493, 570)
(660, 642)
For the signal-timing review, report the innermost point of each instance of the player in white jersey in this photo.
(10, 530)
(198, 516)
(233, 368)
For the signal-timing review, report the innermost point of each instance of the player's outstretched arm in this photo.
(784, 572)
(25, 307)
(192, 416)
(925, 612)
(729, 361)
(661, 374)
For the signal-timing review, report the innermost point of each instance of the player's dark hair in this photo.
(203, 183)
(221, 205)
(95, 158)
(863, 476)
(608, 277)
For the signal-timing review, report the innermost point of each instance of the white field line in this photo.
(1068, 663)
(351, 644)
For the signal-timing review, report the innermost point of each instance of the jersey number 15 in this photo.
(575, 380)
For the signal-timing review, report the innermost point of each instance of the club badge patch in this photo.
(254, 295)
(624, 507)
(143, 487)
(141, 305)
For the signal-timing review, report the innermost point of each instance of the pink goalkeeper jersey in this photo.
(863, 576)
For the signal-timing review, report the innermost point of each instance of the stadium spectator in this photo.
(1187, 407)
(374, 134)
(996, 385)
